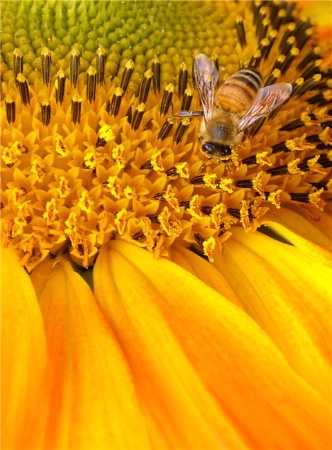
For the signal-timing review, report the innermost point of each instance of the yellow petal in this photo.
(158, 309)
(93, 404)
(275, 292)
(181, 413)
(23, 359)
(316, 230)
(205, 271)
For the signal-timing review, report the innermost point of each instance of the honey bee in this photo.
(238, 103)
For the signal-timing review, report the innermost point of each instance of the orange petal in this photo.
(160, 313)
(180, 412)
(93, 404)
(277, 292)
(23, 359)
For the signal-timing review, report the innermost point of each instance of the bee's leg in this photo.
(188, 114)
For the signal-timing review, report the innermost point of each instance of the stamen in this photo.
(76, 105)
(100, 65)
(166, 128)
(156, 67)
(287, 33)
(312, 70)
(263, 28)
(307, 85)
(294, 52)
(273, 77)
(18, 63)
(167, 99)
(187, 98)
(278, 19)
(144, 87)
(91, 84)
(60, 82)
(128, 70)
(261, 15)
(46, 112)
(311, 56)
(10, 109)
(74, 66)
(46, 66)
(181, 129)
(114, 104)
(241, 33)
(183, 79)
(255, 59)
(137, 116)
(23, 89)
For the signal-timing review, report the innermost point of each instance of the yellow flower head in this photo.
(91, 125)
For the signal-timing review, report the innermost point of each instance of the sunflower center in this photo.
(94, 148)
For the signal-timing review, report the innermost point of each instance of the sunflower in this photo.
(154, 298)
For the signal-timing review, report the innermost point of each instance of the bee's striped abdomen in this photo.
(239, 91)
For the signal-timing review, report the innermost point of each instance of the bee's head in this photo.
(216, 150)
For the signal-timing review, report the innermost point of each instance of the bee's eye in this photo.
(208, 147)
(216, 149)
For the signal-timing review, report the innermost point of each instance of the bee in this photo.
(237, 104)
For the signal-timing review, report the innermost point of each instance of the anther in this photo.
(166, 128)
(114, 104)
(312, 70)
(311, 56)
(288, 32)
(100, 65)
(91, 84)
(263, 28)
(76, 105)
(156, 74)
(294, 52)
(144, 87)
(126, 74)
(303, 38)
(60, 82)
(45, 112)
(74, 66)
(262, 13)
(137, 116)
(245, 184)
(241, 33)
(255, 59)
(307, 85)
(279, 19)
(276, 73)
(10, 109)
(18, 63)
(167, 98)
(46, 66)
(183, 79)
(23, 88)
(186, 100)
(181, 129)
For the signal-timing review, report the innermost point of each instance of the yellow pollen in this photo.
(210, 180)
(274, 198)
(90, 160)
(224, 184)
(208, 247)
(117, 155)
(316, 167)
(60, 147)
(293, 168)
(217, 214)
(64, 187)
(114, 186)
(129, 192)
(121, 220)
(195, 207)
(183, 170)
(326, 136)
(257, 183)
(315, 199)
(38, 169)
(244, 214)
(85, 203)
(299, 144)
(106, 133)
(170, 198)
(156, 161)
(263, 159)
(51, 212)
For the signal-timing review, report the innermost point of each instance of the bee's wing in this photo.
(206, 77)
(268, 99)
